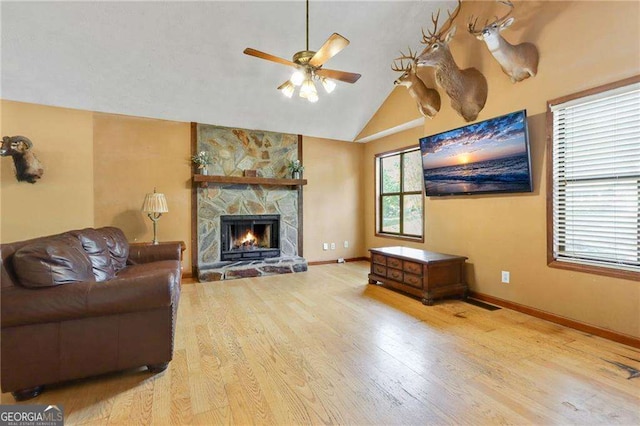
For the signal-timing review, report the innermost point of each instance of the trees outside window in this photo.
(400, 194)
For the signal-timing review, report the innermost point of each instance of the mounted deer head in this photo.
(519, 61)
(428, 99)
(28, 168)
(466, 88)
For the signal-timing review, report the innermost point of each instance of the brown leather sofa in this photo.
(83, 303)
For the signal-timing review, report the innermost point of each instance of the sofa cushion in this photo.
(54, 261)
(118, 246)
(96, 248)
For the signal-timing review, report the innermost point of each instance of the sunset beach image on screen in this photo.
(490, 156)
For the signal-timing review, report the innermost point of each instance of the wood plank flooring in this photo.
(323, 347)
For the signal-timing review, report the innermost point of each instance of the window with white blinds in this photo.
(596, 179)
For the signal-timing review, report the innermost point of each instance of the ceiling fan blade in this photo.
(258, 54)
(334, 44)
(347, 77)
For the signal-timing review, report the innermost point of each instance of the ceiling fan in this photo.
(308, 65)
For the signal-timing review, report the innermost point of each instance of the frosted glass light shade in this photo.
(297, 77)
(287, 89)
(308, 89)
(328, 85)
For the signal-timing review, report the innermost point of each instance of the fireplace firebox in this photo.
(249, 237)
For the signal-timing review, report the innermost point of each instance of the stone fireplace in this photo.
(249, 237)
(226, 209)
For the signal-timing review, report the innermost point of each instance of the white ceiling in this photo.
(183, 61)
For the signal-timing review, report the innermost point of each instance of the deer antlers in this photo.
(472, 22)
(435, 34)
(412, 56)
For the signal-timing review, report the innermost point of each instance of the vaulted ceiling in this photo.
(183, 61)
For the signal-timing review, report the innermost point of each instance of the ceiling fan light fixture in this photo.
(328, 85)
(297, 77)
(308, 66)
(287, 89)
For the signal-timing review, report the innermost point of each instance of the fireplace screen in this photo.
(249, 237)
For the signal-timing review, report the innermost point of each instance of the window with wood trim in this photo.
(399, 195)
(594, 179)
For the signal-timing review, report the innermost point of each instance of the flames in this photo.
(250, 241)
(246, 242)
(248, 238)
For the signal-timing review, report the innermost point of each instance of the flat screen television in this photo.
(486, 157)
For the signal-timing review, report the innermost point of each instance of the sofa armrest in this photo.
(147, 289)
(148, 252)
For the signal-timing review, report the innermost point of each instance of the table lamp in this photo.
(154, 205)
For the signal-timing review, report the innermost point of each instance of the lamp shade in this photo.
(155, 203)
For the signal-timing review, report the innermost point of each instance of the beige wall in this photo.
(132, 156)
(333, 199)
(63, 198)
(508, 232)
(97, 169)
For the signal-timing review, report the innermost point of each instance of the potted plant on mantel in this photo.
(202, 160)
(296, 168)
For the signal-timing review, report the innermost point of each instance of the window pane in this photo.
(390, 174)
(412, 172)
(599, 221)
(412, 223)
(391, 213)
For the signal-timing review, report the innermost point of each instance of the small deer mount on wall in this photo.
(428, 99)
(28, 167)
(518, 61)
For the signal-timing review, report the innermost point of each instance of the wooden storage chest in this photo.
(421, 273)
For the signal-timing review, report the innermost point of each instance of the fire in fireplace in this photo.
(249, 237)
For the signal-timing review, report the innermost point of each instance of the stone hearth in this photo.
(248, 269)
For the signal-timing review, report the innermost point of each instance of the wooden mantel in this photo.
(204, 181)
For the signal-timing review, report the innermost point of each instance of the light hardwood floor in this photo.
(324, 347)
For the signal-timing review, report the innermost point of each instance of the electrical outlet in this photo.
(333, 246)
(346, 244)
(325, 246)
(506, 276)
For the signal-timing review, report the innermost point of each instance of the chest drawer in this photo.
(413, 268)
(394, 263)
(379, 259)
(394, 274)
(379, 270)
(413, 280)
